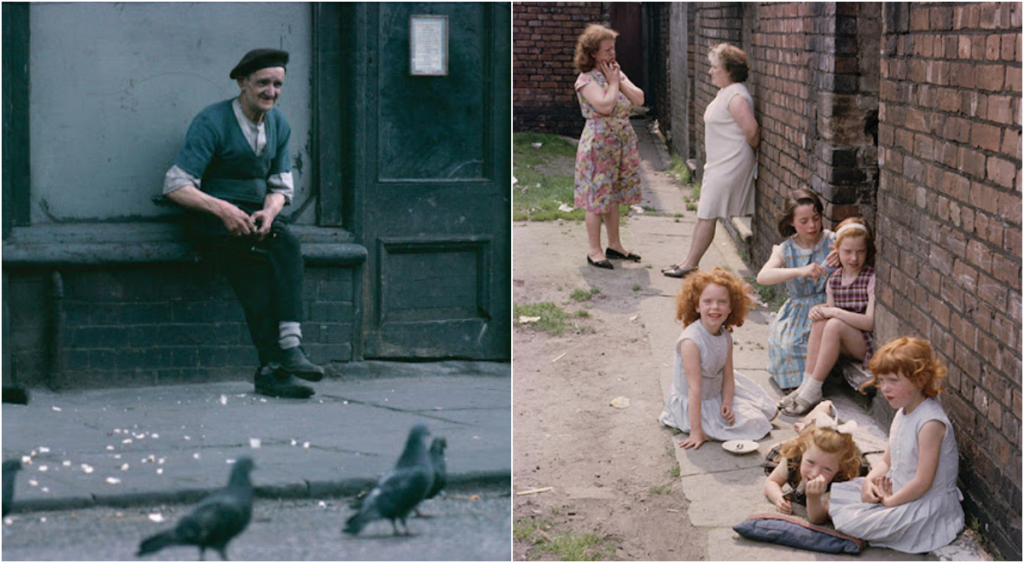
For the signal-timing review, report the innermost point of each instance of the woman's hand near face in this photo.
(611, 72)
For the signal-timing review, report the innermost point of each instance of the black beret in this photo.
(259, 59)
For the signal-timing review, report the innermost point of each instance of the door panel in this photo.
(433, 184)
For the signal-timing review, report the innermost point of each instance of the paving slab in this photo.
(176, 443)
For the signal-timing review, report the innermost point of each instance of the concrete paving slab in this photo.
(175, 443)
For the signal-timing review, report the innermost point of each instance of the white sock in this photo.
(811, 390)
(803, 383)
(289, 334)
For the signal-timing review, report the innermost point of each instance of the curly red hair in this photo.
(828, 441)
(740, 299)
(912, 358)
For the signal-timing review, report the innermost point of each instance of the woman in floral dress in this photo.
(607, 159)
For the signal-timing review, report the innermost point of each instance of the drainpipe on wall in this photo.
(56, 371)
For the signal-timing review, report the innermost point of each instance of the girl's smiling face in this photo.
(853, 252)
(816, 463)
(807, 222)
(900, 391)
(714, 307)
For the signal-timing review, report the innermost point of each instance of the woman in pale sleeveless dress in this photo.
(731, 136)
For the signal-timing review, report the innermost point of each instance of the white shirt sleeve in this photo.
(282, 184)
(177, 178)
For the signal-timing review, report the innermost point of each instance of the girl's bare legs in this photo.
(593, 221)
(700, 241)
(828, 339)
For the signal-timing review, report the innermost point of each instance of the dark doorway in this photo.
(626, 19)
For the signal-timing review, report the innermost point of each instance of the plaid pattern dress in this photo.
(791, 329)
(854, 298)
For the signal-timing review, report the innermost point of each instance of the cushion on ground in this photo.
(796, 532)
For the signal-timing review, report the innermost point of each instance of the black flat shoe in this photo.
(616, 255)
(678, 272)
(600, 263)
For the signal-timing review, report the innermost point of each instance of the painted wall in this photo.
(115, 86)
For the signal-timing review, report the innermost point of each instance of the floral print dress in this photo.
(607, 158)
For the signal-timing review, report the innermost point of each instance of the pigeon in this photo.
(440, 470)
(11, 468)
(213, 522)
(399, 490)
(440, 476)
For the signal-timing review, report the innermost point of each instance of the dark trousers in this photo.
(266, 275)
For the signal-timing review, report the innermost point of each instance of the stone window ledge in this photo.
(153, 242)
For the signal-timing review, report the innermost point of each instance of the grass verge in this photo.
(544, 166)
(550, 544)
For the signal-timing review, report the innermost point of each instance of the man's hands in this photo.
(236, 221)
(241, 224)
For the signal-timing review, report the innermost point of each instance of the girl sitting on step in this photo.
(843, 324)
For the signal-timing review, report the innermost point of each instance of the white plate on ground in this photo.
(740, 446)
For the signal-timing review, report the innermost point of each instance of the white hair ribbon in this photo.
(852, 226)
(825, 421)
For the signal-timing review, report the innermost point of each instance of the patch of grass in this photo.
(679, 170)
(677, 215)
(648, 266)
(675, 471)
(552, 317)
(636, 287)
(555, 545)
(582, 314)
(660, 489)
(772, 296)
(545, 178)
(690, 207)
(581, 295)
(695, 192)
(649, 209)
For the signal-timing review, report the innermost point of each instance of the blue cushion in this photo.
(794, 532)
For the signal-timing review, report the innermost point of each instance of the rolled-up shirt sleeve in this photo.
(177, 178)
(280, 184)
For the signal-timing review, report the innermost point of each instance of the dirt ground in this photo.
(609, 468)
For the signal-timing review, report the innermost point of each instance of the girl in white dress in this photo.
(708, 400)
(909, 501)
(823, 453)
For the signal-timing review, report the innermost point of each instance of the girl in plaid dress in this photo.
(844, 323)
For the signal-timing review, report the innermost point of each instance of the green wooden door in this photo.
(429, 160)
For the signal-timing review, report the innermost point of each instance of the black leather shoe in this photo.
(600, 263)
(272, 382)
(295, 362)
(616, 255)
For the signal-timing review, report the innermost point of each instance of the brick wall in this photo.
(544, 41)
(949, 208)
(659, 71)
(908, 115)
(154, 324)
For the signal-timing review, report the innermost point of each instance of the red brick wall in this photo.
(949, 229)
(717, 22)
(544, 42)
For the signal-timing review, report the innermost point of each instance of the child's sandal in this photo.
(788, 399)
(798, 407)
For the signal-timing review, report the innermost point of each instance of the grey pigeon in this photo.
(399, 490)
(440, 470)
(11, 468)
(437, 448)
(213, 522)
